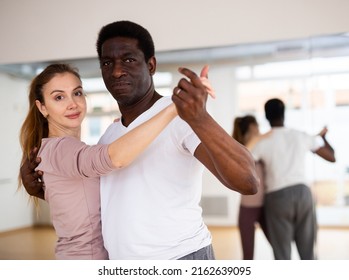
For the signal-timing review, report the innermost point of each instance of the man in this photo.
(151, 210)
(288, 204)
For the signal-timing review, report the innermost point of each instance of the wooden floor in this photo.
(38, 243)
(332, 244)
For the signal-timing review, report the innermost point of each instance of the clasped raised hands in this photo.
(190, 96)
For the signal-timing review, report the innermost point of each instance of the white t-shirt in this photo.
(150, 209)
(283, 154)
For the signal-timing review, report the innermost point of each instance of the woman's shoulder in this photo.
(65, 143)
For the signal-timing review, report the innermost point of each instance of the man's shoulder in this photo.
(299, 133)
(110, 132)
(162, 102)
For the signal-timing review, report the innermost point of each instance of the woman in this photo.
(72, 168)
(246, 132)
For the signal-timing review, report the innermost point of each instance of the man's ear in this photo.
(152, 65)
(42, 108)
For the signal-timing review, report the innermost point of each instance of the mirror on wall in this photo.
(311, 75)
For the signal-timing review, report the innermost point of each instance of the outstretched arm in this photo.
(228, 160)
(122, 151)
(326, 151)
(126, 148)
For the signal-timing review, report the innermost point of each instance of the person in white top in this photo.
(155, 213)
(151, 210)
(288, 204)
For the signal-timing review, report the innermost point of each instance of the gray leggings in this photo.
(290, 216)
(205, 253)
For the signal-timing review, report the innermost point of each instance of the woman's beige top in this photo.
(71, 175)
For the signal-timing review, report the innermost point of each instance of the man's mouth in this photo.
(121, 85)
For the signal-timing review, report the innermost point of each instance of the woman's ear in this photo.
(42, 108)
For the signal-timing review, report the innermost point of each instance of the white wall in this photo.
(40, 30)
(15, 209)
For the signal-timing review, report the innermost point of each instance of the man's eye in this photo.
(129, 60)
(106, 63)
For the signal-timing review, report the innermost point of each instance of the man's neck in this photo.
(277, 123)
(131, 112)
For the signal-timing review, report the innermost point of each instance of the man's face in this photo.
(126, 74)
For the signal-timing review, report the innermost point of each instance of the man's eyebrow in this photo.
(121, 53)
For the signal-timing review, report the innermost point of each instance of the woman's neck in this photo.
(62, 132)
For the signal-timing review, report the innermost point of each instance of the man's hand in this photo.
(31, 179)
(190, 96)
(326, 152)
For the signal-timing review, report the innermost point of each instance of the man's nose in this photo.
(118, 70)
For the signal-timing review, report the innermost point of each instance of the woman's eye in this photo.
(59, 97)
(79, 93)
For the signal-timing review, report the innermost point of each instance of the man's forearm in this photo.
(232, 161)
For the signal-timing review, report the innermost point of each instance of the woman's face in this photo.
(64, 104)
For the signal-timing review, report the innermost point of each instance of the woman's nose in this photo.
(72, 104)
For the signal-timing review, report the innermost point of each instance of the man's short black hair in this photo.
(127, 29)
(274, 109)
